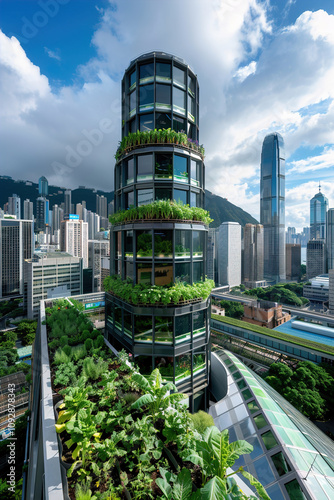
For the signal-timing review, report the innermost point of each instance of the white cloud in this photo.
(52, 54)
(323, 161)
(242, 73)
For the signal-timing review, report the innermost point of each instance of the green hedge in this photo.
(162, 210)
(317, 346)
(161, 136)
(153, 294)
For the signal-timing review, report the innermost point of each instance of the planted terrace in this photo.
(125, 436)
(162, 210)
(157, 137)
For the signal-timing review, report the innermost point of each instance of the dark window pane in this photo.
(294, 490)
(129, 244)
(194, 199)
(163, 274)
(179, 76)
(129, 200)
(253, 407)
(130, 171)
(199, 323)
(180, 196)
(179, 124)
(268, 438)
(163, 95)
(145, 196)
(192, 131)
(146, 97)
(163, 330)
(198, 272)
(281, 464)
(163, 194)
(191, 108)
(132, 103)
(198, 243)
(163, 244)
(144, 274)
(143, 329)
(144, 167)
(118, 318)
(182, 272)
(127, 324)
(241, 384)
(180, 168)
(163, 166)
(182, 243)
(132, 126)
(260, 421)
(118, 241)
(162, 120)
(179, 101)
(163, 71)
(144, 244)
(132, 79)
(129, 270)
(199, 361)
(246, 394)
(191, 86)
(146, 122)
(182, 367)
(182, 328)
(146, 73)
(195, 172)
(145, 364)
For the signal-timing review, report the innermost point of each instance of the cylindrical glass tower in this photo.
(160, 94)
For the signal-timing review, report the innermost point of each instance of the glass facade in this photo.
(318, 210)
(272, 206)
(161, 92)
(292, 458)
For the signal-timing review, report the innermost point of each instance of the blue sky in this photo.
(262, 66)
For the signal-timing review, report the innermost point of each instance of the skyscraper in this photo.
(42, 213)
(16, 245)
(293, 261)
(28, 210)
(330, 238)
(229, 254)
(253, 254)
(14, 206)
(316, 263)
(272, 206)
(67, 202)
(318, 210)
(102, 206)
(160, 92)
(43, 186)
(74, 238)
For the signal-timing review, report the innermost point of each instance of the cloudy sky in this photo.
(262, 66)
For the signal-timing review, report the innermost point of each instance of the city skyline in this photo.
(57, 97)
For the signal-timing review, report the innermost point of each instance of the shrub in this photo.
(99, 341)
(67, 350)
(66, 374)
(93, 369)
(201, 421)
(64, 340)
(89, 345)
(61, 357)
(79, 352)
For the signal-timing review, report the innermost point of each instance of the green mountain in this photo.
(220, 209)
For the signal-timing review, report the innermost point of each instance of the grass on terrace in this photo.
(317, 346)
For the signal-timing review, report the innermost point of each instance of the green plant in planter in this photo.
(157, 396)
(215, 455)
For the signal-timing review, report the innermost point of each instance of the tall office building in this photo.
(14, 206)
(330, 238)
(290, 236)
(318, 209)
(67, 202)
(57, 217)
(16, 245)
(42, 213)
(272, 206)
(50, 275)
(74, 237)
(93, 221)
(253, 254)
(97, 250)
(161, 92)
(102, 206)
(293, 262)
(229, 254)
(316, 261)
(43, 186)
(28, 210)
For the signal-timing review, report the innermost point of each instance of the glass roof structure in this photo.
(292, 458)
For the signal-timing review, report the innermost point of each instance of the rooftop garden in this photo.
(143, 294)
(161, 136)
(162, 210)
(126, 436)
(309, 344)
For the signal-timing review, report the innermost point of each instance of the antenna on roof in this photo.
(319, 187)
